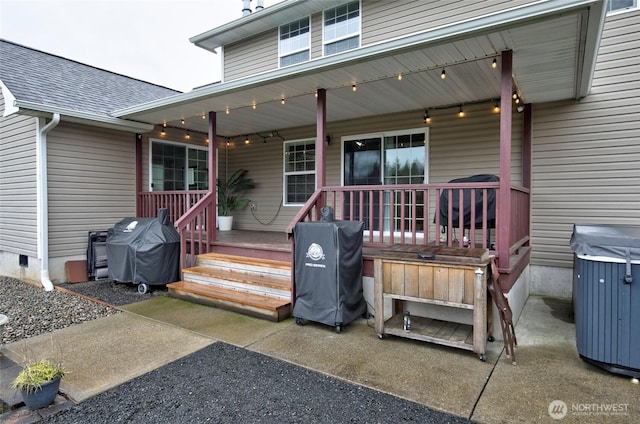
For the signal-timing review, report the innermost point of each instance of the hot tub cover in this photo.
(606, 240)
(144, 250)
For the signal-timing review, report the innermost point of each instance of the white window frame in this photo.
(286, 173)
(282, 55)
(186, 165)
(326, 41)
(635, 6)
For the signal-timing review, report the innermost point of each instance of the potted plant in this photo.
(38, 383)
(230, 193)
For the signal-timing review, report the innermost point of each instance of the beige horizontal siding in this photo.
(586, 153)
(91, 177)
(384, 20)
(251, 56)
(18, 184)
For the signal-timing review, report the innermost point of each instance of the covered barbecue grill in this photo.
(466, 211)
(145, 251)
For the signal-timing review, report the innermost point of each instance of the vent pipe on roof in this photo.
(246, 7)
(260, 5)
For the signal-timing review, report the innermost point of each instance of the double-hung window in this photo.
(299, 171)
(176, 167)
(295, 42)
(341, 28)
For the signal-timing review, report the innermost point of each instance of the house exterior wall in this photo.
(18, 185)
(458, 147)
(381, 21)
(91, 178)
(585, 156)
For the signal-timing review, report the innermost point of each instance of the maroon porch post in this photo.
(138, 174)
(504, 198)
(321, 135)
(526, 147)
(211, 216)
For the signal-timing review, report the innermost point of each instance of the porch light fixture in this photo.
(460, 112)
(443, 74)
(354, 88)
(427, 118)
(494, 64)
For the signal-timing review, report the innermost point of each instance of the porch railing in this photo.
(177, 203)
(408, 214)
(193, 226)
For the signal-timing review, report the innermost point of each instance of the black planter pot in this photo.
(42, 397)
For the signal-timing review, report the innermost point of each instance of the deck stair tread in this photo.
(259, 262)
(252, 304)
(238, 276)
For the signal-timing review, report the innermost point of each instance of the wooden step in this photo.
(251, 282)
(247, 264)
(246, 303)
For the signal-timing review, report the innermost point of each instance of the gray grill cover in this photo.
(328, 271)
(145, 252)
(612, 241)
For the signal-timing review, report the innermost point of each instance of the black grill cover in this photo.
(144, 250)
(328, 271)
(455, 203)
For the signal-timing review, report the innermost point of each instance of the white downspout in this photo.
(43, 203)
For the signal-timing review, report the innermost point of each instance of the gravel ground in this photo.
(226, 384)
(33, 311)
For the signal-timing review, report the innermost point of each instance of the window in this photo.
(299, 171)
(294, 42)
(341, 28)
(398, 157)
(621, 5)
(177, 167)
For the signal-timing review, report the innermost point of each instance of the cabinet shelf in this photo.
(431, 330)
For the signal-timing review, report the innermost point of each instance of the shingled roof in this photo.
(42, 78)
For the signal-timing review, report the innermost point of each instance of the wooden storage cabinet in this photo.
(456, 282)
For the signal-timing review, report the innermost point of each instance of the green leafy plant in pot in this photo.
(38, 382)
(230, 192)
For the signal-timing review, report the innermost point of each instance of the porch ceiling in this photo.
(554, 53)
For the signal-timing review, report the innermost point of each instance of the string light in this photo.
(354, 88)
(399, 77)
(427, 118)
(494, 64)
(226, 110)
(253, 105)
(182, 121)
(460, 112)
(206, 140)
(187, 136)
(204, 116)
(163, 132)
(246, 140)
(282, 100)
(514, 95)
(316, 93)
(443, 74)
(496, 107)
(164, 124)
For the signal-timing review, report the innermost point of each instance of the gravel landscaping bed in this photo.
(32, 310)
